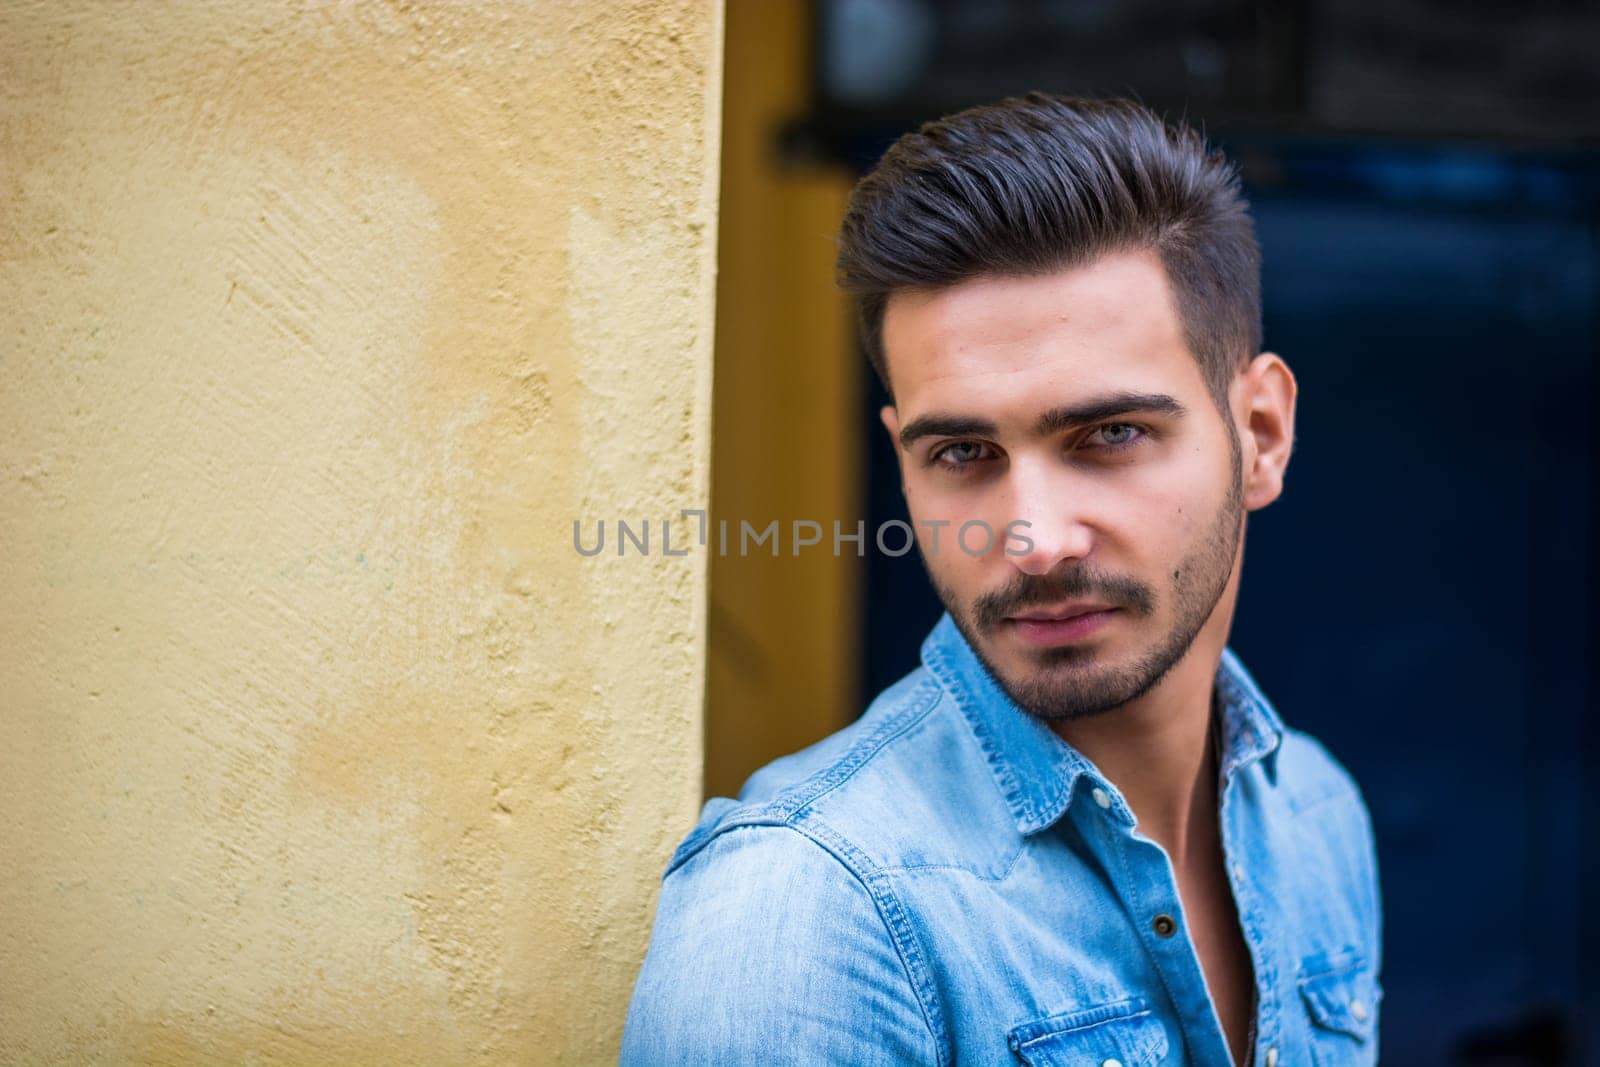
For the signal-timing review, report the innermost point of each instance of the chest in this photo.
(1220, 949)
(1082, 951)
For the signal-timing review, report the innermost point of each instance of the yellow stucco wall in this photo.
(318, 740)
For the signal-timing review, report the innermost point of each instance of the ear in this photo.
(1264, 417)
(890, 417)
(891, 422)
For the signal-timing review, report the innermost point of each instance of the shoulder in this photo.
(907, 783)
(786, 896)
(1330, 813)
(818, 818)
(1312, 775)
(766, 946)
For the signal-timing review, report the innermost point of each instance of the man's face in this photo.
(1069, 402)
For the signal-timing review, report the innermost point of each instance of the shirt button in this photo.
(1238, 871)
(1102, 798)
(1164, 925)
(1111, 1063)
(1272, 1056)
(1359, 1010)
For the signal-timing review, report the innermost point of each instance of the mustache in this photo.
(1040, 590)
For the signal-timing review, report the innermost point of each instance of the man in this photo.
(1078, 832)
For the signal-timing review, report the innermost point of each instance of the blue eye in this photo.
(958, 455)
(1120, 435)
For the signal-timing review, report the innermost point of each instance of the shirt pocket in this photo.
(1341, 996)
(1125, 1033)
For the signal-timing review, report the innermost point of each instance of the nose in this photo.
(1053, 514)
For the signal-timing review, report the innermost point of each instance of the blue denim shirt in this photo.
(947, 882)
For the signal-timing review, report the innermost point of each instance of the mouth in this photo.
(1060, 624)
(1059, 612)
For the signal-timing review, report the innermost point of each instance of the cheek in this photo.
(934, 508)
(1171, 525)
(937, 496)
(1187, 493)
(951, 554)
(914, 490)
(1186, 519)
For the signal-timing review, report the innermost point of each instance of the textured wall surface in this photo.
(318, 740)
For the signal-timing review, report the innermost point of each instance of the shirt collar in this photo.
(1036, 771)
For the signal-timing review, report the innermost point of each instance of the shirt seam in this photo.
(890, 912)
(1124, 878)
(796, 800)
(920, 702)
(982, 876)
(896, 922)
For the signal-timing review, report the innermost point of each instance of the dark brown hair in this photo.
(1040, 183)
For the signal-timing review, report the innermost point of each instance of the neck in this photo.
(1158, 752)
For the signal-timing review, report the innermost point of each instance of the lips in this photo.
(1059, 612)
(1061, 624)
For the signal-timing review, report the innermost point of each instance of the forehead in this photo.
(992, 343)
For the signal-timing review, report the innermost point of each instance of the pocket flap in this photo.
(1125, 1032)
(1342, 995)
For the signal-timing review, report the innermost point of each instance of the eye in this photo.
(1119, 435)
(958, 456)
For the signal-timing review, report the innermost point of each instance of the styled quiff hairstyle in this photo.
(1041, 183)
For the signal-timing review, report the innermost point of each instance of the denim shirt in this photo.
(947, 882)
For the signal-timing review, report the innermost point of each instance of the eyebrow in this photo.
(1064, 417)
